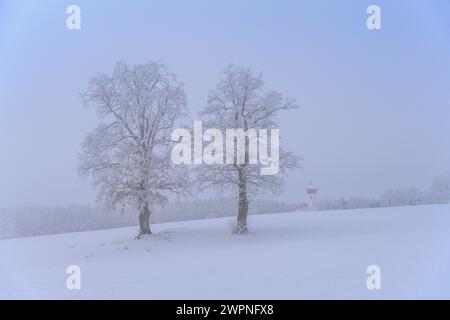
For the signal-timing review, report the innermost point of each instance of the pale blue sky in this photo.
(374, 105)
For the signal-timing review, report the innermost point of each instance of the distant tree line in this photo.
(43, 220)
(438, 193)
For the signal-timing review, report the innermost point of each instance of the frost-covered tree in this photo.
(239, 101)
(128, 154)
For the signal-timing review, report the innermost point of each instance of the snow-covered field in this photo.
(285, 256)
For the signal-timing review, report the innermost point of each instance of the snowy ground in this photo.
(286, 256)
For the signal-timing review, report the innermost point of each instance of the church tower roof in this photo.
(311, 189)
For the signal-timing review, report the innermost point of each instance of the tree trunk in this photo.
(144, 221)
(241, 226)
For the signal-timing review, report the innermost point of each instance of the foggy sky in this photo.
(374, 105)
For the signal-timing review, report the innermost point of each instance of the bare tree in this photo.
(239, 102)
(128, 153)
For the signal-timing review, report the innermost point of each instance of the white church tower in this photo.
(311, 193)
